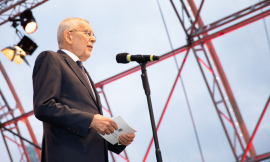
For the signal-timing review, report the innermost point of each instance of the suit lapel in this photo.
(96, 93)
(73, 65)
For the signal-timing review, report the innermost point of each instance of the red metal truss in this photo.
(255, 130)
(10, 9)
(197, 36)
(184, 48)
(137, 68)
(231, 18)
(15, 120)
(21, 109)
(259, 158)
(220, 70)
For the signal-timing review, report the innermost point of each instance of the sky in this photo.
(136, 27)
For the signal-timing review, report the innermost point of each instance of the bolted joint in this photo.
(189, 40)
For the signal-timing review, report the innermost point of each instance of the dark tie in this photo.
(80, 64)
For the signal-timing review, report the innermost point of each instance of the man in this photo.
(67, 102)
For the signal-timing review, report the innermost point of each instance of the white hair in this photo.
(68, 24)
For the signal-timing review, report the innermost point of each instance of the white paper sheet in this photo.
(123, 128)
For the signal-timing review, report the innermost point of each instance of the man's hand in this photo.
(126, 139)
(103, 125)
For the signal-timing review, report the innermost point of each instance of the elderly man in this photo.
(67, 102)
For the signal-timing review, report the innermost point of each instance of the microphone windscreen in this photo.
(155, 58)
(122, 58)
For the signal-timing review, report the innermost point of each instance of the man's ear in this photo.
(68, 37)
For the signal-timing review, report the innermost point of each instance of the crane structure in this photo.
(199, 38)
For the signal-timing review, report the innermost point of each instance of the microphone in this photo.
(126, 58)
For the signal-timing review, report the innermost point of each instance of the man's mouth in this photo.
(90, 46)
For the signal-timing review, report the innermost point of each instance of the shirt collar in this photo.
(72, 55)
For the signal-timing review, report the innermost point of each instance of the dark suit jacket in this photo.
(63, 102)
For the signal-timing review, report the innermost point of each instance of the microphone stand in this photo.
(146, 87)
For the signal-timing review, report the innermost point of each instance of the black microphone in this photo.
(126, 58)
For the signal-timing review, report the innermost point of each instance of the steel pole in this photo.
(255, 130)
(19, 105)
(6, 145)
(218, 86)
(22, 142)
(224, 81)
(16, 126)
(212, 97)
(18, 135)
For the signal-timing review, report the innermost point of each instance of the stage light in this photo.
(19, 58)
(17, 53)
(28, 22)
(27, 45)
(9, 52)
(31, 27)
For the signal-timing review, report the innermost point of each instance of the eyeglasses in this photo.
(89, 33)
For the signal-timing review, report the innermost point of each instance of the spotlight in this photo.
(28, 22)
(17, 53)
(9, 52)
(19, 58)
(27, 45)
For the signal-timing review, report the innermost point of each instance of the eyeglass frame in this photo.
(88, 31)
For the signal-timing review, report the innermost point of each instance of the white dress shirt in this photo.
(75, 58)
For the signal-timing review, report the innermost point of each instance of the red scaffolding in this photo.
(199, 38)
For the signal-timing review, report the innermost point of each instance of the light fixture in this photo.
(27, 45)
(28, 22)
(17, 53)
(19, 58)
(9, 52)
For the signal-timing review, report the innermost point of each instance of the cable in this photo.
(165, 24)
(182, 83)
(266, 31)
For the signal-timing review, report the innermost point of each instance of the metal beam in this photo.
(196, 19)
(259, 158)
(223, 77)
(215, 82)
(217, 110)
(137, 68)
(10, 10)
(37, 146)
(25, 152)
(19, 106)
(184, 48)
(243, 13)
(15, 120)
(178, 16)
(5, 6)
(227, 30)
(255, 130)
(163, 57)
(10, 157)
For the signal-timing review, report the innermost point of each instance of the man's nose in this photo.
(93, 39)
